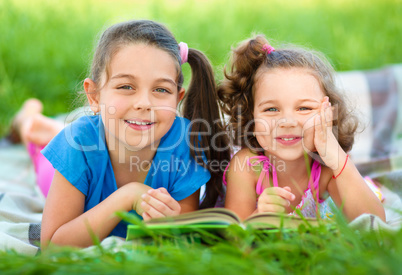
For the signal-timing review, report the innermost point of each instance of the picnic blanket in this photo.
(377, 153)
(21, 202)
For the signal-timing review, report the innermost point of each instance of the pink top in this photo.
(266, 165)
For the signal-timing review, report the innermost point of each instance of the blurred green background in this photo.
(46, 45)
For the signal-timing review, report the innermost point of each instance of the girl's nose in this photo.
(142, 101)
(287, 121)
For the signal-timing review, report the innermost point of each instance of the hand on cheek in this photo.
(158, 203)
(325, 142)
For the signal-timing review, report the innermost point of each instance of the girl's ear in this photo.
(180, 95)
(92, 95)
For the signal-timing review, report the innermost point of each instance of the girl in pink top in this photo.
(294, 130)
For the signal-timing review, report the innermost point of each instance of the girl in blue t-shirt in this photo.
(134, 152)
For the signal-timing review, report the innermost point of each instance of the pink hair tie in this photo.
(268, 48)
(183, 48)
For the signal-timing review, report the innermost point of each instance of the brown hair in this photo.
(200, 102)
(236, 91)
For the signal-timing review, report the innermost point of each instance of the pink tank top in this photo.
(313, 184)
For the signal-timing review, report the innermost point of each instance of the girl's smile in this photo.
(288, 140)
(140, 125)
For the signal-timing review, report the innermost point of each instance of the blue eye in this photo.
(126, 87)
(162, 90)
(305, 109)
(272, 109)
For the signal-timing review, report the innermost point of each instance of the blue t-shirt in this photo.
(80, 154)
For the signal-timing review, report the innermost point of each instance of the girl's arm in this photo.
(348, 190)
(64, 221)
(241, 195)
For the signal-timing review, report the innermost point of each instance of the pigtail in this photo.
(201, 108)
(236, 90)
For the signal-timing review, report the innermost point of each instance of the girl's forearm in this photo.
(353, 194)
(100, 220)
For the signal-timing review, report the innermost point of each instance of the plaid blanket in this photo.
(21, 202)
(377, 152)
(376, 95)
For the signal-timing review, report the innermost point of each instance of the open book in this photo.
(214, 220)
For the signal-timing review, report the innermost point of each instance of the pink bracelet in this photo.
(334, 177)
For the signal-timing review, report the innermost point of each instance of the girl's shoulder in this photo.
(177, 139)
(83, 134)
(180, 128)
(244, 154)
(83, 128)
(85, 121)
(242, 159)
(240, 170)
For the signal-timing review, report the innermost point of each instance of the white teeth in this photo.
(139, 122)
(287, 139)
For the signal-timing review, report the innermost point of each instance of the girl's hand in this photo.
(325, 142)
(275, 199)
(157, 203)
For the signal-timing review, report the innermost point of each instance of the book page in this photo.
(274, 220)
(209, 215)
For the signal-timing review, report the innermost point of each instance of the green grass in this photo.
(46, 45)
(45, 52)
(318, 250)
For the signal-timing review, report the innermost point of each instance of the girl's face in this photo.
(285, 102)
(138, 102)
